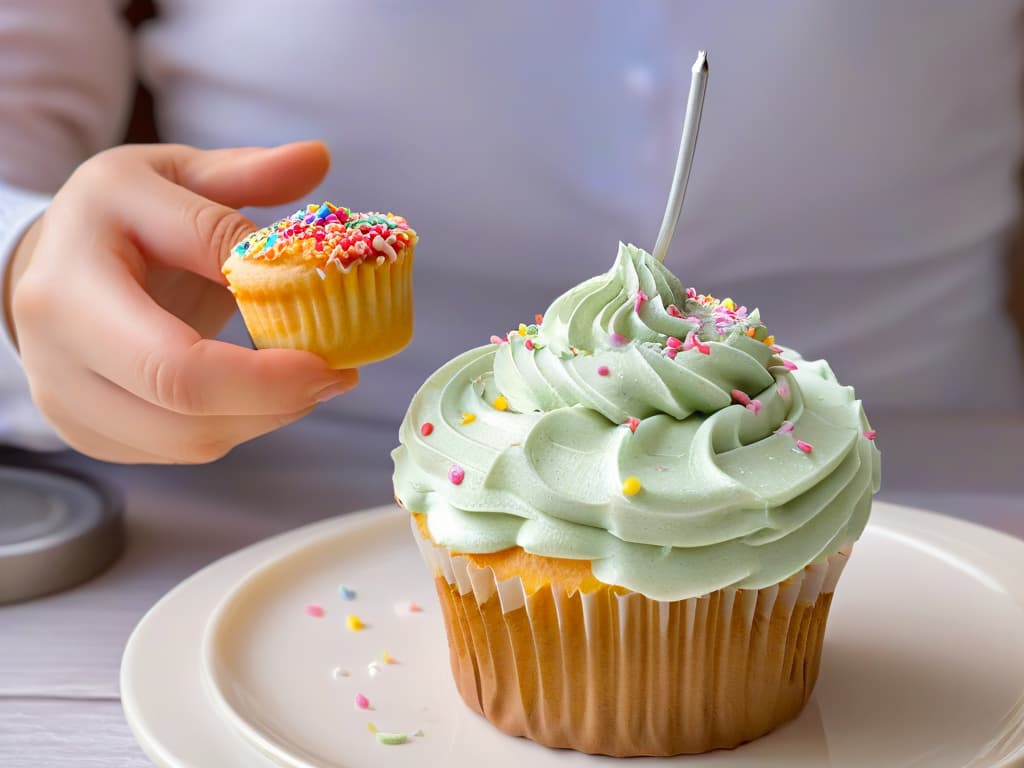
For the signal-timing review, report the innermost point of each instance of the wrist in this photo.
(16, 266)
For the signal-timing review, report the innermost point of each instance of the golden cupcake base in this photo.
(613, 673)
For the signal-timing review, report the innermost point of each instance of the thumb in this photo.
(183, 214)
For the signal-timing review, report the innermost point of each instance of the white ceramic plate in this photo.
(923, 662)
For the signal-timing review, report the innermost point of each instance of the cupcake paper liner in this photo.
(625, 675)
(348, 318)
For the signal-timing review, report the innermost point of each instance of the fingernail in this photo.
(337, 388)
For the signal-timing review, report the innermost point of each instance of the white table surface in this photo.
(59, 656)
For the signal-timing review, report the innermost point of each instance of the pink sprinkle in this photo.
(632, 422)
(785, 428)
(426, 429)
(456, 474)
(789, 365)
(740, 397)
(602, 370)
(775, 349)
(673, 343)
(641, 297)
(754, 406)
(415, 608)
(528, 344)
(783, 389)
(315, 611)
(362, 702)
(805, 447)
(671, 353)
(692, 342)
(870, 434)
(673, 311)
(691, 293)
(617, 340)
(497, 340)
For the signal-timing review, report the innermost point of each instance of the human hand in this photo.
(115, 291)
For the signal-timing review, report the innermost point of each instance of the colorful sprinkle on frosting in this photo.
(354, 623)
(315, 611)
(456, 474)
(346, 593)
(631, 486)
(330, 233)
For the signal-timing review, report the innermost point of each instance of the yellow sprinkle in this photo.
(387, 658)
(501, 403)
(522, 329)
(729, 304)
(354, 623)
(631, 487)
(371, 727)
(751, 332)
(468, 418)
(769, 340)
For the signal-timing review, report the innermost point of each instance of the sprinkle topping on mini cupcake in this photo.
(329, 232)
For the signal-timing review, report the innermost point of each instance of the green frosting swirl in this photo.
(631, 375)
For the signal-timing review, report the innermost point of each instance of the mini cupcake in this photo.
(328, 281)
(636, 511)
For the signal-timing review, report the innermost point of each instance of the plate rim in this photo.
(902, 520)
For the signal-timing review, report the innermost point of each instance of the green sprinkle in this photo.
(532, 329)
(391, 739)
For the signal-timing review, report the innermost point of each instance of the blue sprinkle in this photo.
(245, 246)
(346, 593)
(324, 212)
(270, 241)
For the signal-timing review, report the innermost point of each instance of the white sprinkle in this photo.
(323, 275)
(373, 668)
(337, 673)
(380, 260)
(380, 244)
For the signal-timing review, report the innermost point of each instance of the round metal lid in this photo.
(57, 529)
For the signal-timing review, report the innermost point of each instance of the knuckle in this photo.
(32, 300)
(104, 166)
(166, 383)
(219, 226)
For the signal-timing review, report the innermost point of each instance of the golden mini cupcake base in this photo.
(348, 318)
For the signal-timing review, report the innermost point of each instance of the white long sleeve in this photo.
(20, 423)
(65, 80)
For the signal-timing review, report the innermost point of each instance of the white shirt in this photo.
(854, 176)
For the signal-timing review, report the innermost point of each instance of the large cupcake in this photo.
(636, 511)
